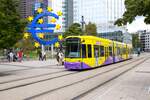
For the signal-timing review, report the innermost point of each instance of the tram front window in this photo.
(72, 48)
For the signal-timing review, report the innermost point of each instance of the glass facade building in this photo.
(101, 12)
(68, 13)
(26, 7)
(57, 6)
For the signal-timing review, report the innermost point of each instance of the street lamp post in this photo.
(82, 23)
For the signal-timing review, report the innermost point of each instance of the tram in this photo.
(87, 52)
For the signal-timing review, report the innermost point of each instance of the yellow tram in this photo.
(86, 52)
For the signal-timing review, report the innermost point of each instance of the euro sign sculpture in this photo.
(38, 28)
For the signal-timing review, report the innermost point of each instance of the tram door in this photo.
(96, 54)
(106, 53)
(126, 52)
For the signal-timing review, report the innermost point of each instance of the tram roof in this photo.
(97, 38)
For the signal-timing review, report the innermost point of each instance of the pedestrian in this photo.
(15, 58)
(44, 55)
(20, 55)
(61, 57)
(11, 55)
(40, 55)
(57, 57)
(138, 51)
(8, 57)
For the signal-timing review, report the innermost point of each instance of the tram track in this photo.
(30, 83)
(18, 65)
(77, 82)
(30, 77)
(92, 89)
(30, 68)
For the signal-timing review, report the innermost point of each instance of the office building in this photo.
(29, 7)
(101, 12)
(145, 40)
(26, 7)
(68, 13)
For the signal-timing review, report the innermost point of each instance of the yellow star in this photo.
(59, 13)
(36, 44)
(40, 10)
(53, 20)
(41, 35)
(58, 27)
(26, 35)
(56, 44)
(60, 37)
(30, 18)
(49, 9)
(40, 21)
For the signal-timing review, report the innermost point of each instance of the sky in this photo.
(138, 24)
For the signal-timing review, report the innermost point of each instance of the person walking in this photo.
(8, 56)
(40, 55)
(20, 55)
(138, 52)
(11, 55)
(57, 57)
(44, 55)
(61, 57)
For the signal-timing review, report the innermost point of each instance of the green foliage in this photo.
(25, 44)
(91, 29)
(136, 41)
(135, 8)
(11, 25)
(74, 29)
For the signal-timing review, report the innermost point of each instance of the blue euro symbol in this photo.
(34, 28)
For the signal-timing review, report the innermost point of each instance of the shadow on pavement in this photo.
(4, 74)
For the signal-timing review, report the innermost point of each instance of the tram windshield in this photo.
(72, 48)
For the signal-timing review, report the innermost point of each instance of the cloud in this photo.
(138, 24)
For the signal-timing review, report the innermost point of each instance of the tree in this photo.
(135, 8)
(136, 41)
(25, 44)
(11, 25)
(74, 29)
(90, 29)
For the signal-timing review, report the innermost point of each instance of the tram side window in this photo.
(83, 51)
(110, 51)
(89, 51)
(102, 51)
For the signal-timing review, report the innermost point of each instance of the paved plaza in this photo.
(45, 80)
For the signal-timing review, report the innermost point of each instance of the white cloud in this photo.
(138, 24)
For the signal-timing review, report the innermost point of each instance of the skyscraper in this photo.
(26, 7)
(101, 12)
(68, 13)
